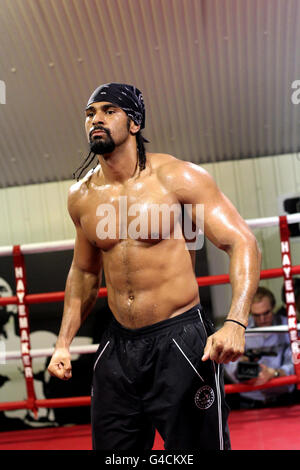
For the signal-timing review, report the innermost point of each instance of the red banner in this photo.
(23, 317)
(289, 292)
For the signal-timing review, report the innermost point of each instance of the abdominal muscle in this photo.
(147, 283)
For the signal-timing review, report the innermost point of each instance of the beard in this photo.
(103, 144)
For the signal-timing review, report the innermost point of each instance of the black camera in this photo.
(247, 370)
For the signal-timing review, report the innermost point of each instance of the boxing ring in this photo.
(23, 300)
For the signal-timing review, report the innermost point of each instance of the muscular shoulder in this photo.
(76, 193)
(74, 196)
(181, 177)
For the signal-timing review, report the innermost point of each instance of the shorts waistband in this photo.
(190, 315)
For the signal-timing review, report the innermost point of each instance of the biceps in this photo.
(223, 225)
(86, 256)
(211, 209)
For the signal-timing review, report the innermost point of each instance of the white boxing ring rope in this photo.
(92, 348)
(62, 245)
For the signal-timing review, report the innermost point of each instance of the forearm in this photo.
(244, 273)
(80, 296)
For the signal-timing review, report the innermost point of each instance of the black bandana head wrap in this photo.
(126, 97)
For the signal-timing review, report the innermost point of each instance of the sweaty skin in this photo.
(149, 278)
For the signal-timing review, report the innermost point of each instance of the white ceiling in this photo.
(216, 77)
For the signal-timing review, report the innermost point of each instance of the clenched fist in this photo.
(60, 364)
(226, 345)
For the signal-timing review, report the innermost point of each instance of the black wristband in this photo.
(235, 321)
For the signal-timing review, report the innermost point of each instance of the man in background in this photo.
(272, 351)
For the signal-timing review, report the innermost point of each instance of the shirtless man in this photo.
(159, 362)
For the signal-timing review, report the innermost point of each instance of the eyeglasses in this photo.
(261, 315)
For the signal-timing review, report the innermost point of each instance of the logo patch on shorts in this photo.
(204, 397)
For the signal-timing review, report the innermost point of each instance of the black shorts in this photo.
(153, 378)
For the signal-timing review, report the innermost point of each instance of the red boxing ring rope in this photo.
(23, 300)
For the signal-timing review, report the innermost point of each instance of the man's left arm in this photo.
(226, 229)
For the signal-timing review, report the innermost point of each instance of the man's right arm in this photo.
(83, 282)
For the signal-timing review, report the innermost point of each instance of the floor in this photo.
(262, 429)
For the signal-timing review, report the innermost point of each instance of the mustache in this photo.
(99, 128)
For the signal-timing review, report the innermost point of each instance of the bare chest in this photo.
(141, 211)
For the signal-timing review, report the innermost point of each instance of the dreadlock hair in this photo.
(141, 150)
(141, 153)
(87, 161)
